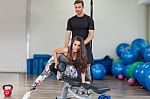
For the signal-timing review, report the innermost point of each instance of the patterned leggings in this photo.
(70, 71)
(46, 73)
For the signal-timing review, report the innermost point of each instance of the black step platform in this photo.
(98, 90)
(72, 81)
(77, 83)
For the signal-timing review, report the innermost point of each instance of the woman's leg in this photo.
(46, 72)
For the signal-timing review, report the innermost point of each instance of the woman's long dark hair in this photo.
(81, 58)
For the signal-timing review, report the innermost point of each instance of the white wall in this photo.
(148, 23)
(12, 35)
(48, 24)
(116, 21)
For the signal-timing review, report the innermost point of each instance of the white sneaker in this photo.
(58, 76)
(27, 95)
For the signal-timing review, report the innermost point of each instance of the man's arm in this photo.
(67, 38)
(90, 37)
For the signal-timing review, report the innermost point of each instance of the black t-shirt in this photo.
(80, 26)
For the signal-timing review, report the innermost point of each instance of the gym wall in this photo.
(12, 35)
(148, 22)
(116, 21)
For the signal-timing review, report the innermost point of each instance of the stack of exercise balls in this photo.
(133, 62)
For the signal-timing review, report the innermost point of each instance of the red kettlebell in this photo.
(8, 90)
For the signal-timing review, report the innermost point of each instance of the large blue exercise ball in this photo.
(120, 48)
(133, 66)
(146, 54)
(129, 56)
(126, 71)
(117, 68)
(136, 70)
(147, 80)
(98, 71)
(138, 44)
(142, 73)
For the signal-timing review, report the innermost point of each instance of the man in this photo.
(81, 25)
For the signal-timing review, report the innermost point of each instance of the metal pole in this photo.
(91, 14)
(148, 23)
(28, 28)
(91, 9)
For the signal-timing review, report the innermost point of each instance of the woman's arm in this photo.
(59, 51)
(83, 78)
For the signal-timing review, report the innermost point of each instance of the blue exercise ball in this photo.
(117, 68)
(147, 80)
(129, 56)
(142, 73)
(136, 70)
(120, 48)
(133, 66)
(126, 71)
(98, 71)
(146, 54)
(116, 60)
(138, 44)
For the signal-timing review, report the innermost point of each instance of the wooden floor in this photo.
(51, 87)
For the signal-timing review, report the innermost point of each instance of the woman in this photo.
(75, 56)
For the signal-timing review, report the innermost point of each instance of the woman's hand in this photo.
(55, 65)
(87, 82)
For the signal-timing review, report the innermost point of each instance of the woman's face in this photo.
(76, 46)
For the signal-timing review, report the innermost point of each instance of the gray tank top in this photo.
(63, 58)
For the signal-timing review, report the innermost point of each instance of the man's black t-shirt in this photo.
(80, 26)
